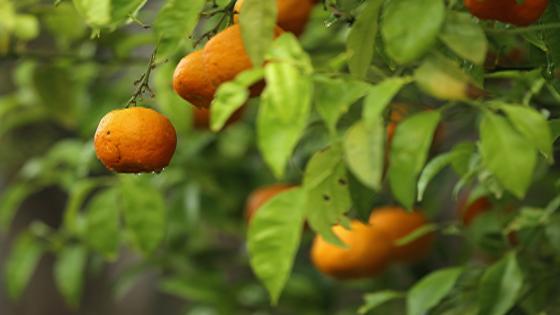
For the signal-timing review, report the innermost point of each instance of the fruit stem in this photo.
(143, 83)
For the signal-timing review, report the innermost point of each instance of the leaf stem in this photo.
(528, 29)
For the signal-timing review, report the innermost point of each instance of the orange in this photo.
(397, 223)
(135, 140)
(191, 82)
(367, 254)
(225, 57)
(474, 209)
(201, 117)
(292, 14)
(261, 195)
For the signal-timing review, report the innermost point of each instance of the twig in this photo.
(227, 16)
(339, 14)
(143, 83)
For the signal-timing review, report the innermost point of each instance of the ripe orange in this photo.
(475, 208)
(292, 14)
(225, 57)
(367, 254)
(261, 195)
(191, 82)
(397, 223)
(201, 117)
(135, 140)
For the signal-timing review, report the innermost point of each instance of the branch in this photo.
(143, 83)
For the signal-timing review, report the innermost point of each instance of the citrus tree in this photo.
(391, 156)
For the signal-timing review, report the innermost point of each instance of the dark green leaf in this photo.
(409, 150)
(102, 223)
(555, 128)
(10, 200)
(333, 97)
(273, 239)
(460, 152)
(69, 273)
(21, 263)
(230, 96)
(373, 300)
(175, 22)
(363, 151)
(361, 39)
(326, 186)
(283, 113)
(500, 286)
(430, 290)
(410, 27)
(464, 36)
(144, 213)
(507, 154)
(257, 21)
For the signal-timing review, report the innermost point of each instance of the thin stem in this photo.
(143, 83)
(227, 16)
(528, 29)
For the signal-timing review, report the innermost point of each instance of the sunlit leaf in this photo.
(257, 21)
(464, 36)
(507, 154)
(327, 194)
(273, 239)
(363, 151)
(442, 78)
(373, 300)
(409, 151)
(430, 290)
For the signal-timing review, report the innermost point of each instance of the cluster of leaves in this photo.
(323, 110)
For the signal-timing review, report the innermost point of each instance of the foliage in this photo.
(492, 89)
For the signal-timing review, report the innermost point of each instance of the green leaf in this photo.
(554, 125)
(430, 290)
(231, 95)
(464, 36)
(374, 300)
(123, 10)
(69, 273)
(533, 126)
(409, 150)
(283, 113)
(506, 154)
(257, 21)
(174, 24)
(144, 213)
(273, 239)
(327, 195)
(500, 286)
(410, 27)
(333, 97)
(10, 200)
(361, 39)
(96, 13)
(363, 151)
(21, 263)
(64, 22)
(460, 152)
(379, 97)
(102, 223)
(442, 78)
(26, 27)
(416, 234)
